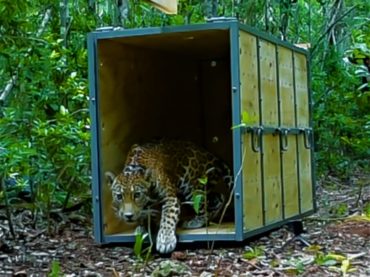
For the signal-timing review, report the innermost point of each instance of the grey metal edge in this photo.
(237, 139)
(162, 30)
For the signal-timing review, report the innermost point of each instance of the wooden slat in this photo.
(287, 117)
(291, 197)
(223, 228)
(252, 190)
(268, 84)
(303, 121)
(300, 67)
(286, 87)
(305, 176)
(216, 108)
(272, 178)
(271, 144)
(166, 6)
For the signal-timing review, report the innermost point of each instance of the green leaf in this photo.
(345, 266)
(138, 246)
(253, 253)
(55, 269)
(238, 126)
(329, 262)
(197, 201)
(248, 119)
(203, 180)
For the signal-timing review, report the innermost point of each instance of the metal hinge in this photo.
(221, 19)
(108, 28)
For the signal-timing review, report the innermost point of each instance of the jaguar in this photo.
(167, 174)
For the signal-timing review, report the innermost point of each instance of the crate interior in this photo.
(173, 85)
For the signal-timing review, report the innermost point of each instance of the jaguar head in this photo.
(130, 195)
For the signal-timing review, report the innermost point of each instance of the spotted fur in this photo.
(167, 173)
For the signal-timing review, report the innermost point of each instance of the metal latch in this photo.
(257, 139)
(307, 137)
(284, 139)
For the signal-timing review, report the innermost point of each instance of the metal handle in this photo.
(284, 139)
(307, 137)
(256, 139)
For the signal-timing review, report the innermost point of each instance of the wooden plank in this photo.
(216, 108)
(271, 144)
(268, 84)
(290, 173)
(305, 173)
(272, 178)
(287, 115)
(252, 190)
(300, 68)
(303, 121)
(287, 119)
(166, 6)
(223, 228)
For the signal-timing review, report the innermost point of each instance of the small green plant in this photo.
(339, 210)
(55, 269)
(297, 266)
(143, 254)
(138, 246)
(328, 259)
(253, 252)
(367, 209)
(199, 195)
(246, 119)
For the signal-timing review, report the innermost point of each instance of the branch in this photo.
(330, 28)
(10, 84)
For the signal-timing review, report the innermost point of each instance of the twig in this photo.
(115, 274)
(251, 264)
(228, 203)
(10, 84)
(150, 240)
(329, 29)
(325, 218)
(7, 208)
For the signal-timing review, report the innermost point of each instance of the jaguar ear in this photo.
(110, 177)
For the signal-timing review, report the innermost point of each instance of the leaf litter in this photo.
(338, 246)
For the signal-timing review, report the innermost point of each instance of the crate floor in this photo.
(223, 228)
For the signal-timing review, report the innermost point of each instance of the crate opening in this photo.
(171, 85)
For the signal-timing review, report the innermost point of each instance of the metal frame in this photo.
(297, 139)
(95, 141)
(237, 139)
(310, 101)
(233, 27)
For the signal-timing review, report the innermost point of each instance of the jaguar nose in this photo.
(129, 216)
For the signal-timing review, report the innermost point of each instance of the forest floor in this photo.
(338, 234)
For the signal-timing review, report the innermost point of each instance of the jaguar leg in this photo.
(166, 238)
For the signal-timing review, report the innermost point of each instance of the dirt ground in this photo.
(337, 236)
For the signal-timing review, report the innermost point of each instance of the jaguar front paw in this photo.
(166, 241)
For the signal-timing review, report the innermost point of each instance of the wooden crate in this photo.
(242, 94)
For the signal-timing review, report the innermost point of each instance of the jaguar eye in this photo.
(137, 194)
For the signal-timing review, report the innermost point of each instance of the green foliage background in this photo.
(44, 121)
